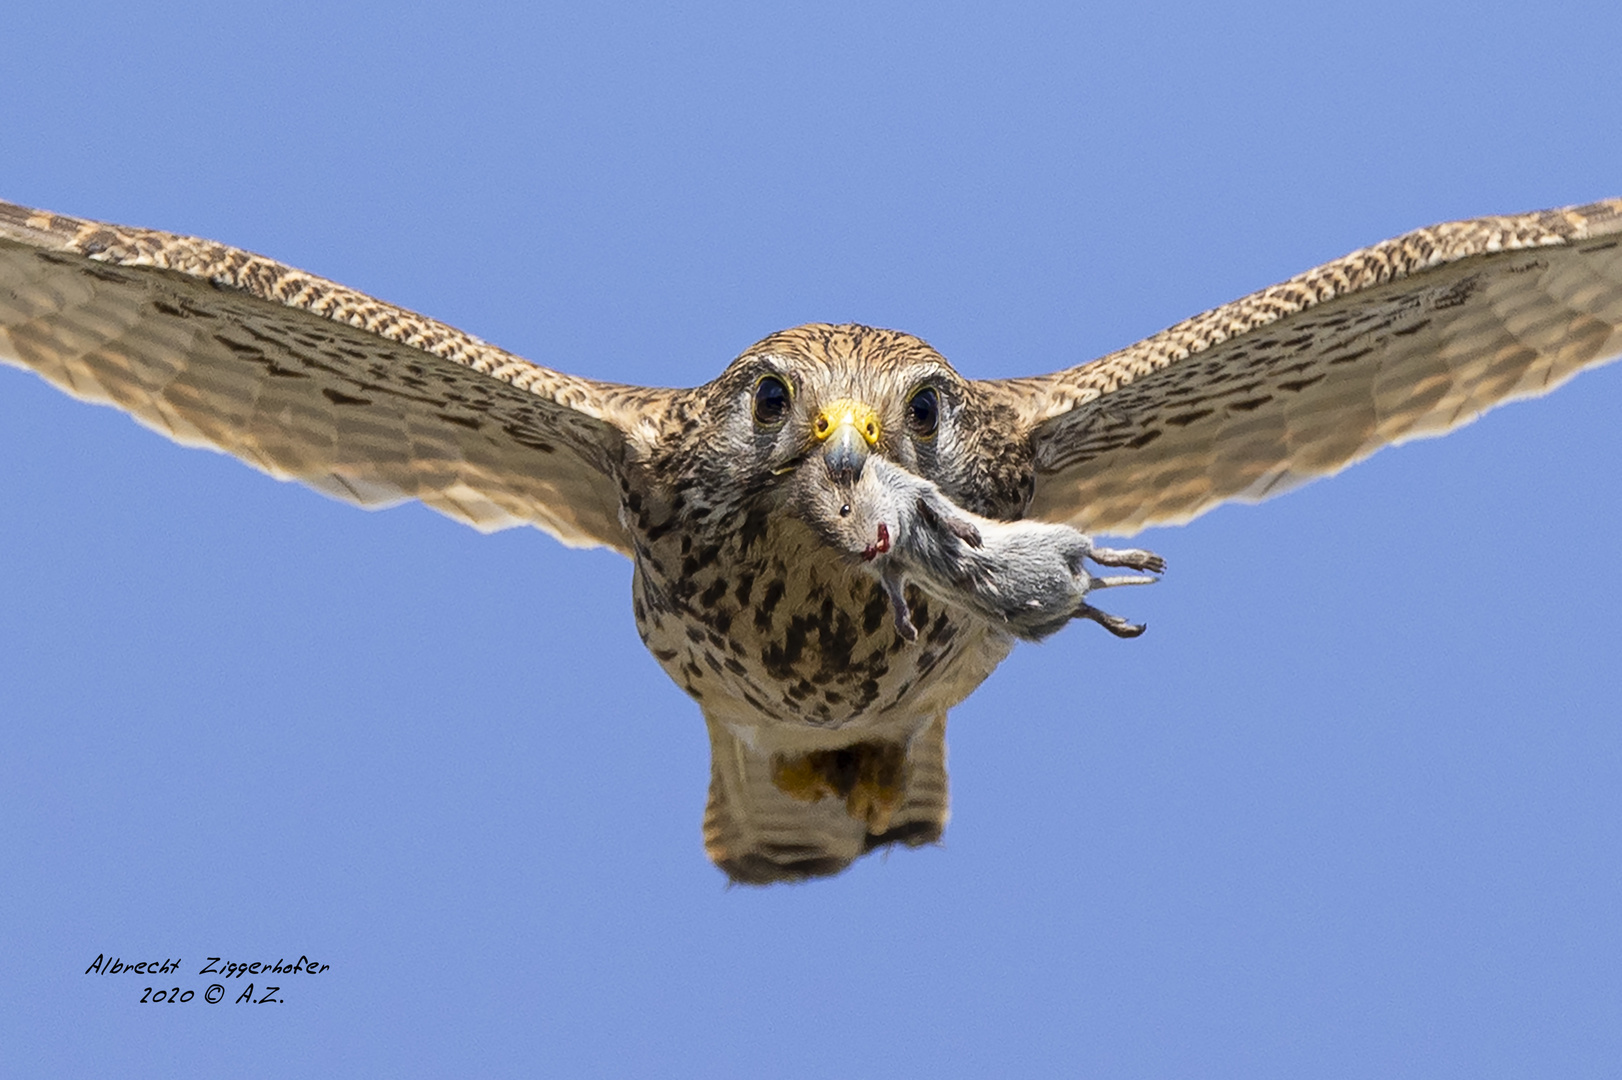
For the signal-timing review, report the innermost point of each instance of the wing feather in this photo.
(1407, 339)
(307, 380)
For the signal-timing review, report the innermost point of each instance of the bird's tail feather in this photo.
(789, 816)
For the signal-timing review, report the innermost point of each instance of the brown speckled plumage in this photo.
(1406, 339)
(827, 728)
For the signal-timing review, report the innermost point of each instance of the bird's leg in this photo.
(1113, 623)
(1135, 558)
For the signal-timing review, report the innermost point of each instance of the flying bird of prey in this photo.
(826, 715)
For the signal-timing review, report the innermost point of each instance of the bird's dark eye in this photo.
(771, 401)
(924, 412)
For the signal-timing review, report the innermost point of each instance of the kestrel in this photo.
(824, 672)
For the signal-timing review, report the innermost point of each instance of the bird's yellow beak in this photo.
(848, 429)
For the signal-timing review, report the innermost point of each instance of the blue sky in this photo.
(1352, 807)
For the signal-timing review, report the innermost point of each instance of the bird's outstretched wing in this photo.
(310, 381)
(1407, 339)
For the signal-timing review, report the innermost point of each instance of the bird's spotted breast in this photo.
(780, 628)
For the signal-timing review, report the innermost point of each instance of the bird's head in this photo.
(829, 398)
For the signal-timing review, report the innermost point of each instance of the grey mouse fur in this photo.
(1025, 576)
